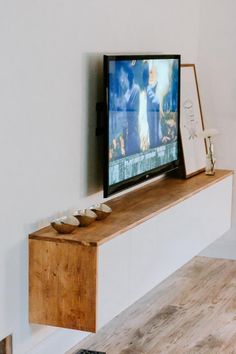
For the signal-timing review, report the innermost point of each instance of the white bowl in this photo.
(102, 210)
(65, 224)
(85, 217)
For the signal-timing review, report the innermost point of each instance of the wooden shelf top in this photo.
(135, 207)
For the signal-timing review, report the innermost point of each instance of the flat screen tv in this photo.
(142, 95)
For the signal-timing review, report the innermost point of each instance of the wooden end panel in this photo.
(62, 285)
(6, 345)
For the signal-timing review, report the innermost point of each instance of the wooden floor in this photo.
(191, 312)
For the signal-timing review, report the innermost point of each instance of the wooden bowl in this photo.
(65, 225)
(85, 217)
(101, 210)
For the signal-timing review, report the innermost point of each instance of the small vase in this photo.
(210, 167)
(210, 160)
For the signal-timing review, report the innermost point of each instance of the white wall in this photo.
(50, 70)
(217, 76)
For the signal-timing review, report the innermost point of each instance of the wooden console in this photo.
(84, 279)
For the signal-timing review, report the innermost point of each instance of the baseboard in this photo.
(59, 342)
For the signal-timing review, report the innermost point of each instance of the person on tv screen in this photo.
(143, 122)
(153, 109)
(129, 104)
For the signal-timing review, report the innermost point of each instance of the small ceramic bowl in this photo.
(102, 211)
(65, 225)
(85, 217)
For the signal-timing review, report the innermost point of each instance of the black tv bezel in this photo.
(135, 180)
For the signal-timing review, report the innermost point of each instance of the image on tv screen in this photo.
(143, 116)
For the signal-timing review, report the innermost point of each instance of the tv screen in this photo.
(142, 118)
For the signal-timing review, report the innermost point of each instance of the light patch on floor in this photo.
(191, 312)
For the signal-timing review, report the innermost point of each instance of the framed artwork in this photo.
(191, 122)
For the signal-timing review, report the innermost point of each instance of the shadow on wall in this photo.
(92, 81)
(17, 304)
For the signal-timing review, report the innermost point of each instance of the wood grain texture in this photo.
(9, 345)
(134, 208)
(62, 285)
(6, 345)
(191, 312)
